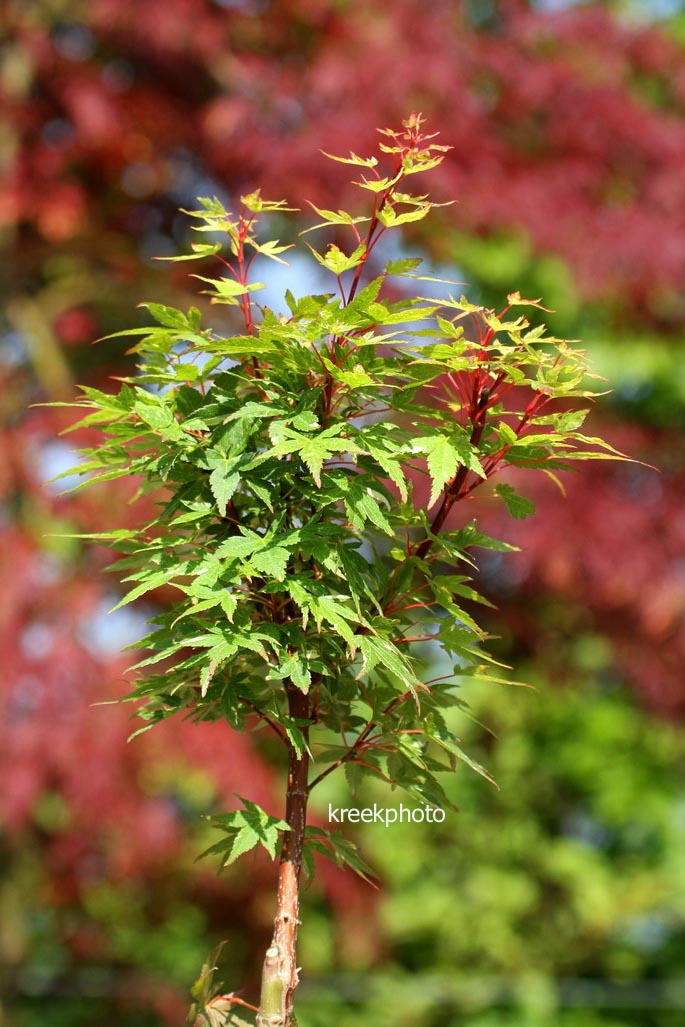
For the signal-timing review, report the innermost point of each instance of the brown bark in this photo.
(279, 974)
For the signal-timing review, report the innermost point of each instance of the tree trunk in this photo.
(279, 974)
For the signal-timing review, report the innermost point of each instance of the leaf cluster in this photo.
(285, 460)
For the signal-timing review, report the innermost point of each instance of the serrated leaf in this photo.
(346, 854)
(326, 609)
(169, 317)
(377, 185)
(158, 416)
(400, 267)
(570, 420)
(353, 774)
(238, 547)
(200, 252)
(245, 345)
(256, 203)
(332, 217)
(376, 650)
(336, 261)
(450, 743)
(219, 1013)
(271, 562)
(218, 654)
(442, 460)
(246, 829)
(364, 162)
(223, 481)
(314, 450)
(229, 604)
(362, 507)
(151, 581)
(517, 505)
(391, 219)
(298, 672)
(508, 436)
(271, 249)
(245, 840)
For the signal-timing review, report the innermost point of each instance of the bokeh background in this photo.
(560, 900)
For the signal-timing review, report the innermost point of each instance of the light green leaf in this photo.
(271, 562)
(238, 547)
(245, 829)
(332, 217)
(400, 267)
(442, 460)
(376, 650)
(363, 162)
(169, 317)
(391, 219)
(450, 743)
(223, 482)
(336, 261)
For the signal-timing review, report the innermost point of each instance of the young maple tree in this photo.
(307, 577)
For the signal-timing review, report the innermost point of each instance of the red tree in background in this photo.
(631, 590)
(567, 124)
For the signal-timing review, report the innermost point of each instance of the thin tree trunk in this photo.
(279, 974)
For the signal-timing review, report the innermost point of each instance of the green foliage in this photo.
(244, 830)
(334, 846)
(559, 895)
(571, 762)
(284, 463)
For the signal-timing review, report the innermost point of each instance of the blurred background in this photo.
(560, 900)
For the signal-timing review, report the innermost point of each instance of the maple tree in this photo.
(273, 451)
(566, 123)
